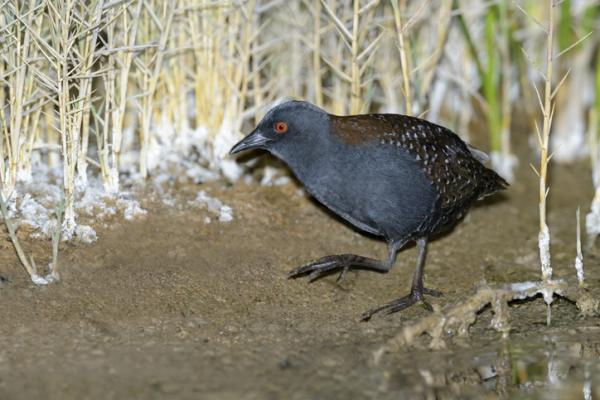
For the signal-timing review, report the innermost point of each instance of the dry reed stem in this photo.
(20, 108)
(361, 54)
(149, 69)
(120, 64)
(592, 221)
(544, 136)
(88, 57)
(67, 55)
(222, 51)
(443, 27)
(15, 241)
(579, 256)
(318, 79)
(403, 57)
(355, 99)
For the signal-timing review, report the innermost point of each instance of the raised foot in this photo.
(415, 296)
(325, 266)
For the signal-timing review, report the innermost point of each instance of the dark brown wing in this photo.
(457, 175)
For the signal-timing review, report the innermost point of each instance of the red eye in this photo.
(281, 127)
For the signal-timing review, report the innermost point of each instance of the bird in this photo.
(398, 177)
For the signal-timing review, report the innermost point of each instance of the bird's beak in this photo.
(254, 140)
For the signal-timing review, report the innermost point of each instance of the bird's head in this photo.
(286, 128)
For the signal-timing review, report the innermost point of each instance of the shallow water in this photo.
(554, 365)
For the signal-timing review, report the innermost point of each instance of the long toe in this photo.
(391, 307)
(403, 303)
(321, 267)
(312, 267)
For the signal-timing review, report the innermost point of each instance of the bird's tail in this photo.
(492, 183)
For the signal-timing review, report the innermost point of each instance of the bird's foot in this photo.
(415, 296)
(325, 266)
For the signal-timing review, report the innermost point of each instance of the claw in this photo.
(403, 303)
(342, 274)
(304, 269)
(322, 267)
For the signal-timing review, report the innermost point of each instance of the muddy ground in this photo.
(170, 307)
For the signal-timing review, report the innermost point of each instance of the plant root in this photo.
(456, 319)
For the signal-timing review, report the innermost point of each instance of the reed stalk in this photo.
(592, 221)
(67, 81)
(316, 51)
(544, 137)
(156, 25)
(21, 104)
(362, 42)
(122, 50)
(87, 54)
(402, 48)
(355, 99)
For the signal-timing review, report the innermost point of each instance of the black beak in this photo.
(254, 140)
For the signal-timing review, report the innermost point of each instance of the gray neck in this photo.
(313, 162)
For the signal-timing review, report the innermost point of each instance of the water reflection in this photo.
(547, 367)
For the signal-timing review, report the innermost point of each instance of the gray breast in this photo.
(378, 189)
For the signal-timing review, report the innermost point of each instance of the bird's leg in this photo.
(343, 262)
(416, 292)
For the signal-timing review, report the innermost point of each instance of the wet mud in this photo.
(169, 306)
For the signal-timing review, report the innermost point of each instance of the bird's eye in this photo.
(281, 127)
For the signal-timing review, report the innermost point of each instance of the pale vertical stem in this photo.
(33, 132)
(151, 82)
(355, 103)
(179, 97)
(201, 47)
(317, 54)
(217, 62)
(294, 76)
(2, 73)
(403, 56)
(593, 217)
(16, 109)
(103, 132)
(130, 29)
(175, 84)
(339, 87)
(245, 58)
(85, 94)
(104, 148)
(579, 256)
(19, 90)
(69, 139)
(544, 235)
(444, 24)
(52, 135)
(32, 128)
(257, 88)
(15, 241)
(3, 134)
